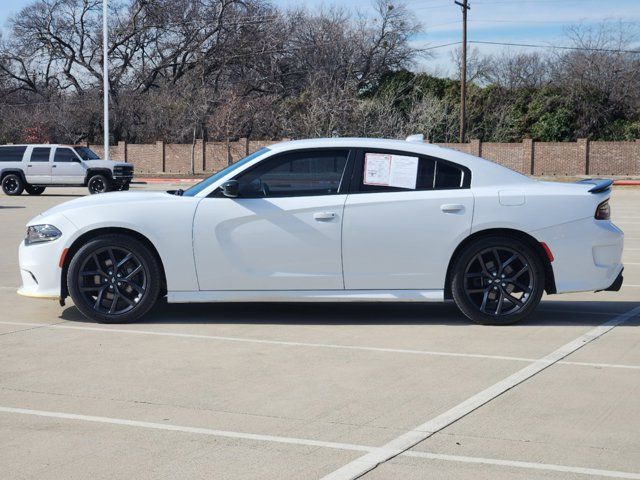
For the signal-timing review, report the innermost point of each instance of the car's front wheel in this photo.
(114, 279)
(12, 184)
(497, 280)
(98, 184)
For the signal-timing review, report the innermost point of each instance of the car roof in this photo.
(484, 172)
(41, 145)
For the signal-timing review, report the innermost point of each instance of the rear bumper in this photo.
(616, 285)
(588, 254)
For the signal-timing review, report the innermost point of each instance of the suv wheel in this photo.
(114, 279)
(33, 190)
(498, 280)
(98, 184)
(12, 184)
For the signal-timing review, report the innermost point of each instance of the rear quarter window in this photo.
(448, 176)
(11, 154)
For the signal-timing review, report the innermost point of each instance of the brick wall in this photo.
(614, 158)
(583, 157)
(512, 155)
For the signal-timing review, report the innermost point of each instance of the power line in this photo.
(531, 45)
(560, 47)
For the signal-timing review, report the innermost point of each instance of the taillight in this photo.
(603, 212)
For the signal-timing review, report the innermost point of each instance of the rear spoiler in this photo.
(598, 185)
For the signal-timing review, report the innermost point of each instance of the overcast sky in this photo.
(516, 21)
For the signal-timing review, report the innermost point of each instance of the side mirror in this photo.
(230, 188)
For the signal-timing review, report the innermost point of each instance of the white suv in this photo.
(34, 167)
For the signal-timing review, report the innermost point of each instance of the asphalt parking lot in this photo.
(309, 391)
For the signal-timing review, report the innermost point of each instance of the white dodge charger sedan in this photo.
(331, 220)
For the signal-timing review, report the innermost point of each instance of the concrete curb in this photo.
(166, 180)
(635, 183)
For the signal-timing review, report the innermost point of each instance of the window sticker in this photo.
(390, 170)
(377, 169)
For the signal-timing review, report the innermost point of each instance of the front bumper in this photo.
(122, 175)
(40, 263)
(39, 270)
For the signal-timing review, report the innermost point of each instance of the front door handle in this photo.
(324, 216)
(452, 208)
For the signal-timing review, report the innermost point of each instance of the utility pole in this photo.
(463, 69)
(105, 78)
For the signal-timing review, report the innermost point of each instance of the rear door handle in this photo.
(452, 208)
(324, 216)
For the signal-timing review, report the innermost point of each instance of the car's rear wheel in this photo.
(114, 279)
(12, 184)
(497, 280)
(34, 190)
(98, 184)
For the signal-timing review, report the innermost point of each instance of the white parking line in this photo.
(371, 460)
(180, 428)
(518, 464)
(316, 443)
(313, 345)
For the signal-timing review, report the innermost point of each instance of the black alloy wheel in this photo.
(98, 184)
(498, 281)
(34, 190)
(12, 184)
(114, 279)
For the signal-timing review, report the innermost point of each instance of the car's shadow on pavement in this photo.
(70, 195)
(549, 313)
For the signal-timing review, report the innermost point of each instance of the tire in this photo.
(12, 184)
(98, 183)
(497, 280)
(120, 295)
(33, 190)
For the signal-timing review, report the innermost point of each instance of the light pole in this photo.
(463, 69)
(105, 79)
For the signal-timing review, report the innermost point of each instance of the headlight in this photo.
(41, 233)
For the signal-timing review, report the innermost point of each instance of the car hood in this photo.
(113, 199)
(104, 163)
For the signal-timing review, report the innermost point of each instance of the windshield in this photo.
(198, 187)
(86, 153)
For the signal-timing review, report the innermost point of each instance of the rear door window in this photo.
(40, 154)
(417, 172)
(11, 154)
